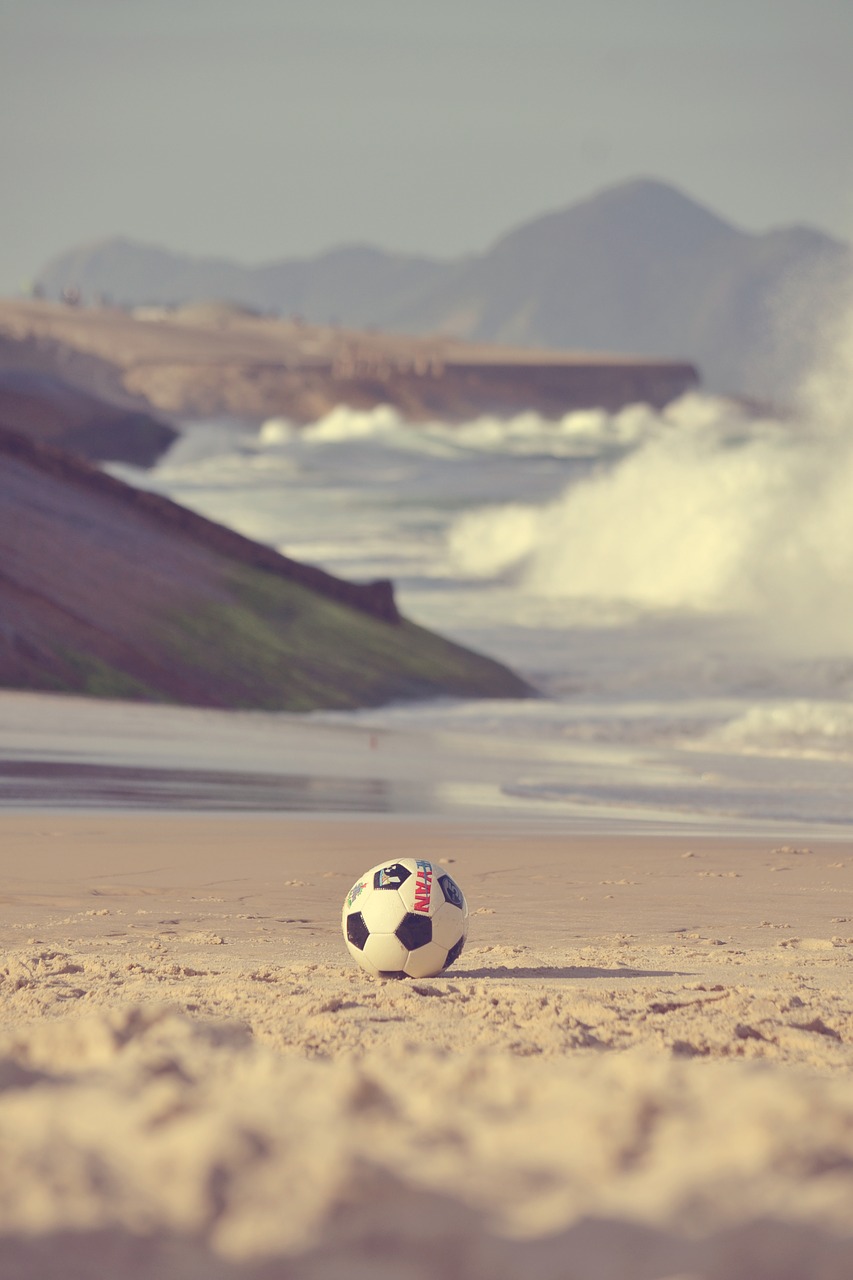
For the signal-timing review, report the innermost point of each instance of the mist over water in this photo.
(713, 511)
(710, 513)
(675, 583)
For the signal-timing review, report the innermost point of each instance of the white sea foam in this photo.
(707, 515)
(344, 423)
(709, 512)
(582, 433)
(276, 431)
(802, 728)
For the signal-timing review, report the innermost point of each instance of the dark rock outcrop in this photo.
(375, 598)
(111, 591)
(50, 392)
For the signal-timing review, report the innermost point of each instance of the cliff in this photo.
(208, 361)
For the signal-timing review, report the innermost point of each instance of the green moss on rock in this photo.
(90, 675)
(274, 644)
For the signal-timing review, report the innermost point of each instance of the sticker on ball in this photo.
(405, 919)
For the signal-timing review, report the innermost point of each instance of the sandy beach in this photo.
(426, 519)
(638, 1066)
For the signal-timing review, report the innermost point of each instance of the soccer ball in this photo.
(405, 919)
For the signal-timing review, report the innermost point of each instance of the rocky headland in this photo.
(217, 360)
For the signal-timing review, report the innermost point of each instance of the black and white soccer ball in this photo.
(405, 919)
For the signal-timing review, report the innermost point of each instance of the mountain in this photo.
(346, 284)
(115, 592)
(637, 268)
(642, 268)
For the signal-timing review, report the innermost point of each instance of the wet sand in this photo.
(638, 1066)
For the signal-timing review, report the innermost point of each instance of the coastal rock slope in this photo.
(110, 591)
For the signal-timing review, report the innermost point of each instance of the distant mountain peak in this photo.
(645, 187)
(641, 207)
(654, 194)
(639, 266)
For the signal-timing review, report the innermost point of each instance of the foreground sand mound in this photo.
(140, 1140)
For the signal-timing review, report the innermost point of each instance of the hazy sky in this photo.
(263, 129)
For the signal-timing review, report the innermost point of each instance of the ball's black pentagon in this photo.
(454, 953)
(414, 931)
(391, 877)
(357, 930)
(393, 973)
(452, 892)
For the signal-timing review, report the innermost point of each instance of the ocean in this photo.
(675, 585)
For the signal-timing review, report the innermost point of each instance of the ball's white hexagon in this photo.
(426, 961)
(385, 953)
(448, 925)
(382, 910)
(363, 963)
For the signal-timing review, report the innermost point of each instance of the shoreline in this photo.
(61, 752)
